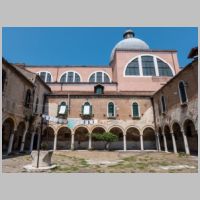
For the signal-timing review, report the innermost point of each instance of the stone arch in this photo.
(98, 145)
(7, 129)
(81, 137)
(18, 136)
(192, 136)
(119, 131)
(133, 138)
(168, 136)
(149, 138)
(47, 138)
(98, 126)
(176, 129)
(63, 138)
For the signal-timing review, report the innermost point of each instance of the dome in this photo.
(129, 43)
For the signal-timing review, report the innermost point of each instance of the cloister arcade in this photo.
(175, 137)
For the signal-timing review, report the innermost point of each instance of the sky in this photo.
(88, 45)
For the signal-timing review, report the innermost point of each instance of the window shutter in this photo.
(66, 111)
(90, 109)
(82, 108)
(58, 109)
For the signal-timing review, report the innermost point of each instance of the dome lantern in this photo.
(128, 34)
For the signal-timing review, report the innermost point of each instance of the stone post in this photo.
(158, 142)
(72, 141)
(124, 139)
(10, 145)
(174, 143)
(24, 137)
(141, 143)
(55, 142)
(90, 141)
(187, 151)
(165, 143)
(32, 140)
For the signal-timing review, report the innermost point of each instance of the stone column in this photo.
(165, 143)
(55, 142)
(124, 139)
(187, 151)
(10, 145)
(90, 141)
(141, 143)
(24, 137)
(31, 144)
(158, 142)
(72, 141)
(174, 143)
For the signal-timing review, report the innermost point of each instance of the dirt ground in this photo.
(109, 162)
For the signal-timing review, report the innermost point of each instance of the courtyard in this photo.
(84, 161)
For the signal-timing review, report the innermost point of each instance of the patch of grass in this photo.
(131, 158)
(182, 154)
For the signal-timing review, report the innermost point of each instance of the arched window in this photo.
(62, 109)
(70, 77)
(148, 66)
(133, 68)
(163, 68)
(45, 76)
(135, 110)
(163, 104)
(99, 77)
(86, 109)
(28, 99)
(99, 89)
(182, 92)
(3, 79)
(111, 109)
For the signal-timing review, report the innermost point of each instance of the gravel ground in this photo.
(109, 162)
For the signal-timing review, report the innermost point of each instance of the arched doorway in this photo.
(168, 138)
(161, 139)
(47, 138)
(63, 139)
(7, 130)
(178, 137)
(133, 139)
(18, 136)
(81, 138)
(118, 145)
(149, 139)
(192, 136)
(98, 145)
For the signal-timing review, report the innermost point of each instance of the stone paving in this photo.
(109, 162)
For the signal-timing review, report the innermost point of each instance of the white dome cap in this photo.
(129, 43)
